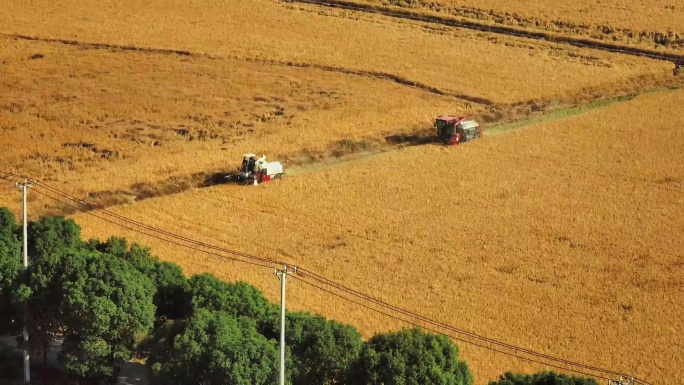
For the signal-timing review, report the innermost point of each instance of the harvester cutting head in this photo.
(456, 129)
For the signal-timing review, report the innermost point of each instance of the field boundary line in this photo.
(500, 30)
(122, 47)
(328, 68)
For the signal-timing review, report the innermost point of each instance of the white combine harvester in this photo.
(254, 171)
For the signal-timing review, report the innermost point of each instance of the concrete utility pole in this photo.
(282, 275)
(24, 191)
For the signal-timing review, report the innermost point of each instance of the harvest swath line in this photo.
(493, 130)
(569, 112)
(582, 43)
(303, 274)
(347, 71)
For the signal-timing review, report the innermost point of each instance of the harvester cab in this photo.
(248, 165)
(453, 130)
(254, 171)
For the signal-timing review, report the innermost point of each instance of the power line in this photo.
(318, 278)
(154, 229)
(122, 218)
(309, 273)
(357, 294)
(10, 178)
(442, 333)
(155, 236)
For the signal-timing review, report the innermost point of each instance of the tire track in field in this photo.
(501, 30)
(328, 68)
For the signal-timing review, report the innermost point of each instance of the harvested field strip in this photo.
(174, 185)
(635, 22)
(508, 31)
(93, 120)
(522, 18)
(373, 74)
(565, 113)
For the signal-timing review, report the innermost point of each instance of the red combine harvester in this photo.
(452, 130)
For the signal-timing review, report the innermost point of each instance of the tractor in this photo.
(254, 171)
(452, 130)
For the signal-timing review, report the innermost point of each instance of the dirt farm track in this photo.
(560, 231)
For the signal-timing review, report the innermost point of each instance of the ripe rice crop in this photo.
(562, 237)
(649, 24)
(496, 68)
(647, 16)
(138, 121)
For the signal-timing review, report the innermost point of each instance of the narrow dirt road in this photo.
(132, 373)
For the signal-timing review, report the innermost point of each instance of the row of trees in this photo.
(108, 301)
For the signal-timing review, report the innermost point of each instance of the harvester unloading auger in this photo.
(254, 171)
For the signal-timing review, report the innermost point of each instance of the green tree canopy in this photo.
(172, 290)
(542, 378)
(107, 309)
(237, 299)
(321, 350)
(7, 220)
(10, 252)
(213, 348)
(52, 236)
(10, 271)
(135, 254)
(160, 345)
(410, 357)
(172, 286)
(49, 239)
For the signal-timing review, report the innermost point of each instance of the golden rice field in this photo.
(296, 85)
(151, 117)
(657, 15)
(563, 237)
(647, 16)
(461, 62)
(633, 22)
